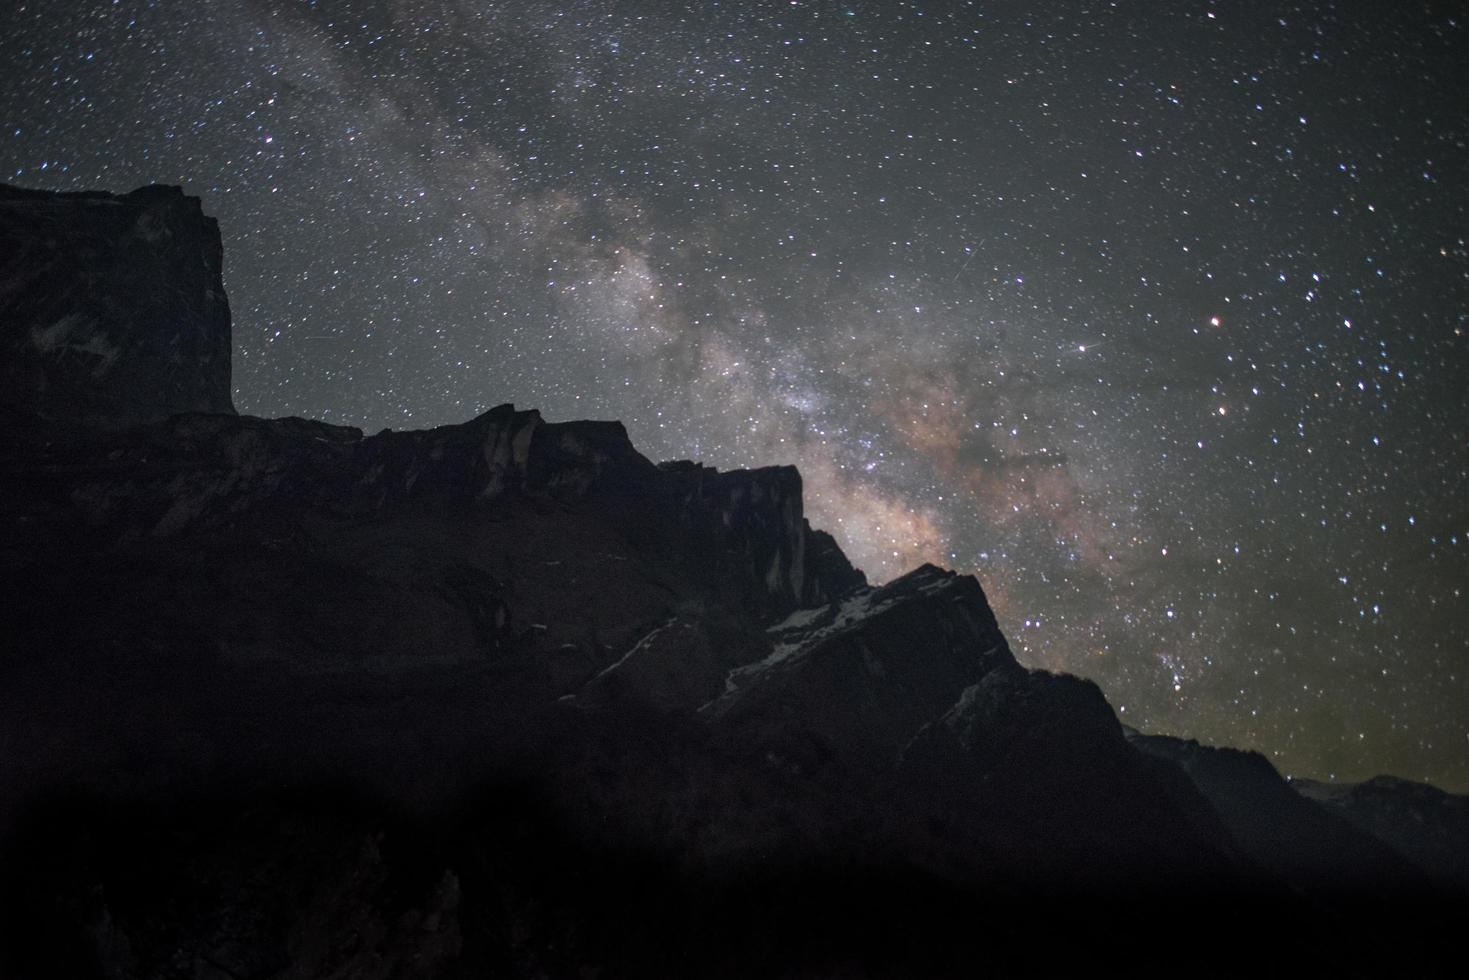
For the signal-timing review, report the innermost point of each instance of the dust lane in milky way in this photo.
(1151, 315)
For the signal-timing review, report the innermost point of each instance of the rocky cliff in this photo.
(280, 698)
(112, 307)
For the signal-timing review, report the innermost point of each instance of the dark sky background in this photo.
(1150, 314)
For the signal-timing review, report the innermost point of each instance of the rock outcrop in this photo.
(866, 672)
(112, 307)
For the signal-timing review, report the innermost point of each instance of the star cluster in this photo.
(1151, 315)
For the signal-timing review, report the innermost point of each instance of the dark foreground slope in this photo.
(281, 699)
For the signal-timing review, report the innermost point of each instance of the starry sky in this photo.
(1150, 314)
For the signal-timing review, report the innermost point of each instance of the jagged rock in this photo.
(750, 522)
(678, 665)
(501, 453)
(864, 673)
(1031, 719)
(196, 476)
(193, 472)
(112, 307)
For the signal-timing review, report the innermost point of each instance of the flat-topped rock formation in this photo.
(112, 307)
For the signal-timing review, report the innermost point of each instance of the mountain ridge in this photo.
(506, 696)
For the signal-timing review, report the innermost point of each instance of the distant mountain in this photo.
(284, 699)
(1314, 848)
(1422, 823)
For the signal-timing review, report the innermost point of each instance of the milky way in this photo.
(1151, 315)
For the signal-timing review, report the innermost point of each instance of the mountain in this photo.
(1422, 823)
(1312, 847)
(284, 699)
(115, 311)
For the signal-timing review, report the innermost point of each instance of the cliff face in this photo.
(112, 307)
(504, 697)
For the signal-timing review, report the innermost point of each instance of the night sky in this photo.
(1150, 314)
